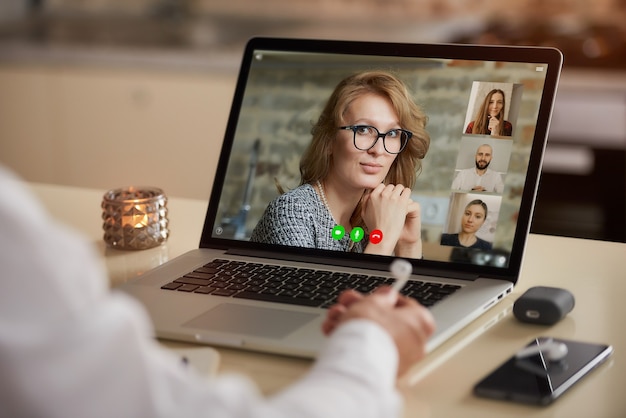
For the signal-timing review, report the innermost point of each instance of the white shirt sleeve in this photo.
(70, 347)
(345, 379)
(465, 179)
(456, 183)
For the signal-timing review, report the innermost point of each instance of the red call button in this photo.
(376, 236)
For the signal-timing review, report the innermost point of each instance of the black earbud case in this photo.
(543, 305)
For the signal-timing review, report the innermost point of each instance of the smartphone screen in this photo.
(539, 381)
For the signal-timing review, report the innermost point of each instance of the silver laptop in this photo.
(257, 295)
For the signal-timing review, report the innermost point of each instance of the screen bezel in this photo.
(550, 56)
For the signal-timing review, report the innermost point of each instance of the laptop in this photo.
(256, 295)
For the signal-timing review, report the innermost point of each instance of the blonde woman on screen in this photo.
(357, 172)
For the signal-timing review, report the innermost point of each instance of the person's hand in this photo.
(410, 242)
(408, 323)
(385, 208)
(493, 125)
(479, 189)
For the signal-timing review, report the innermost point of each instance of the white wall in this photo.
(102, 128)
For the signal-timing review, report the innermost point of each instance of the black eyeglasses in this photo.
(366, 136)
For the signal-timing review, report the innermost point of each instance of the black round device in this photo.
(543, 305)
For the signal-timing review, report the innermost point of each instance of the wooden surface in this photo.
(439, 386)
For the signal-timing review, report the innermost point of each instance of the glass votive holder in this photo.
(135, 218)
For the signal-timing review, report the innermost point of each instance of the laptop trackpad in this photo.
(251, 320)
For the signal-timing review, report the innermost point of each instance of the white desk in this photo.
(439, 386)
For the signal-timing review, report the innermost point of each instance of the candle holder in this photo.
(135, 218)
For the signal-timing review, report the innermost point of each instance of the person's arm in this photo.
(410, 242)
(344, 379)
(389, 208)
(407, 322)
(73, 348)
(493, 125)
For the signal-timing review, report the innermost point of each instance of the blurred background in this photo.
(106, 93)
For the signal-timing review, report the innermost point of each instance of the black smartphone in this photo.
(536, 379)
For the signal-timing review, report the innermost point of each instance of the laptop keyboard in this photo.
(292, 285)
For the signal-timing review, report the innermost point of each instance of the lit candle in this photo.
(135, 218)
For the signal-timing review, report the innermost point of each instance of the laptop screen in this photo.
(469, 148)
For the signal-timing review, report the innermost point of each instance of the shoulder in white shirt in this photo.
(69, 347)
